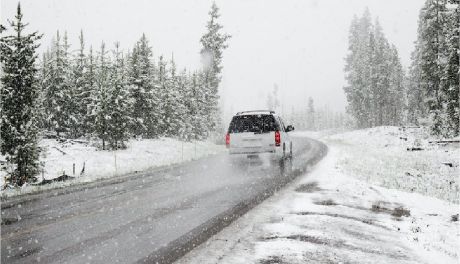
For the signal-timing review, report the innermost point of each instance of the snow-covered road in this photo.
(146, 217)
(326, 216)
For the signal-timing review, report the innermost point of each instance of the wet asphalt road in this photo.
(148, 217)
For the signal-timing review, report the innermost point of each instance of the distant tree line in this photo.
(103, 93)
(379, 93)
(309, 117)
(318, 118)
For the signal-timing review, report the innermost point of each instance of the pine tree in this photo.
(431, 46)
(176, 90)
(81, 90)
(71, 109)
(434, 69)
(19, 93)
(90, 102)
(184, 107)
(380, 76)
(40, 103)
(415, 94)
(101, 104)
(58, 92)
(164, 107)
(357, 70)
(213, 44)
(374, 74)
(143, 90)
(172, 103)
(197, 107)
(119, 106)
(396, 98)
(450, 73)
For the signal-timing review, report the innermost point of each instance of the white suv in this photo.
(256, 132)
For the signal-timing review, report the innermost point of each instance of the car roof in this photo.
(256, 112)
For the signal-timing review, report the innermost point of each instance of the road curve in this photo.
(149, 217)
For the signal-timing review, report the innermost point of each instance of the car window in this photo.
(253, 123)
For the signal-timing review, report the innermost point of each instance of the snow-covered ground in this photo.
(380, 156)
(59, 158)
(335, 214)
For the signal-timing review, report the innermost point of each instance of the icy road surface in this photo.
(149, 217)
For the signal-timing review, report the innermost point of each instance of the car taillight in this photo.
(227, 140)
(277, 138)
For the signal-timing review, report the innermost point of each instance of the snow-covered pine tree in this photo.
(357, 70)
(185, 101)
(138, 128)
(183, 126)
(196, 107)
(380, 75)
(451, 73)
(416, 107)
(101, 104)
(71, 109)
(164, 107)
(213, 44)
(352, 75)
(19, 92)
(58, 92)
(388, 90)
(396, 97)
(190, 103)
(40, 103)
(119, 107)
(431, 46)
(81, 90)
(143, 90)
(374, 75)
(205, 113)
(90, 81)
(434, 69)
(172, 103)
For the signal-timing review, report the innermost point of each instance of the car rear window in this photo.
(253, 123)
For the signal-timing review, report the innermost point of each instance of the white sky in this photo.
(298, 44)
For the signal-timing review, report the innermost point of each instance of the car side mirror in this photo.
(289, 128)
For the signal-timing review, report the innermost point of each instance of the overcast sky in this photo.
(298, 44)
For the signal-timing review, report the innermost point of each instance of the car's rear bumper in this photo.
(254, 151)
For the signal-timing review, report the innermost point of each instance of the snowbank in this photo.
(92, 164)
(407, 159)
